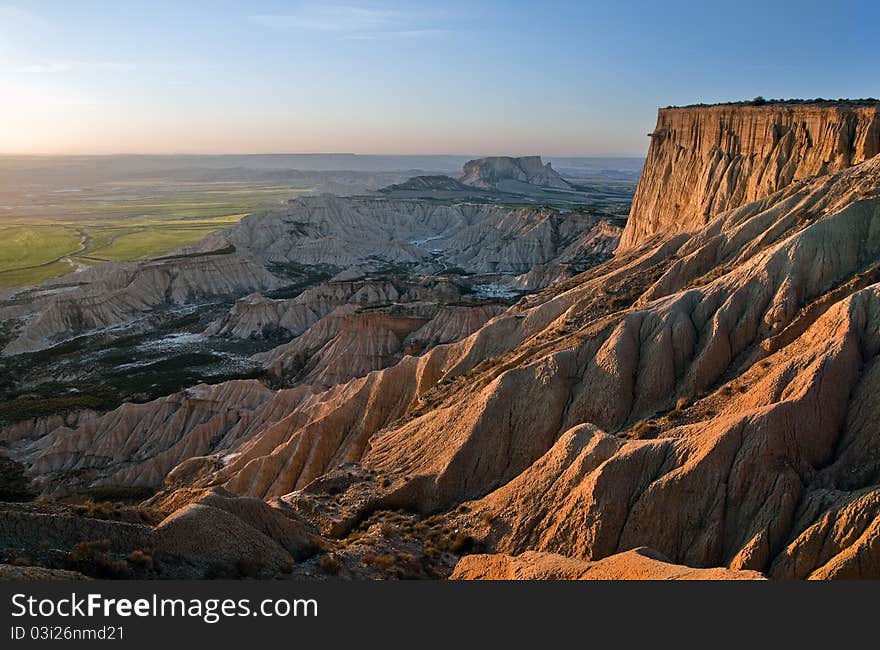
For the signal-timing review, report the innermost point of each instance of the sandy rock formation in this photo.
(138, 444)
(256, 316)
(724, 472)
(316, 237)
(709, 395)
(637, 564)
(112, 295)
(427, 183)
(705, 160)
(203, 536)
(486, 173)
(350, 343)
(345, 232)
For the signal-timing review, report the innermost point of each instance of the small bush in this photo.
(383, 562)
(21, 561)
(91, 558)
(387, 530)
(140, 559)
(643, 429)
(329, 565)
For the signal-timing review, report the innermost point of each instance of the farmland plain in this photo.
(56, 232)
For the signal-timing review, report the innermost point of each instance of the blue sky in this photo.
(555, 78)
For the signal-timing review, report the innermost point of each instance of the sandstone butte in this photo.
(700, 406)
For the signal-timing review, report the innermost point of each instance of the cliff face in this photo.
(704, 160)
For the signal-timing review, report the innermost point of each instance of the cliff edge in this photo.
(706, 159)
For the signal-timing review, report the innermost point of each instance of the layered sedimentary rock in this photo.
(427, 183)
(735, 401)
(256, 316)
(637, 564)
(139, 444)
(350, 232)
(487, 173)
(350, 343)
(314, 238)
(704, 160)
(709, 395)
(115, 295)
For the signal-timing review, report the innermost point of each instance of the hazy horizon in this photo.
(565, 79)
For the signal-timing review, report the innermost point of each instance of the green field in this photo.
(137, 220)
(149, 242)
(29, 246)
(32, 253)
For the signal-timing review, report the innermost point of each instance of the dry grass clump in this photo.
(643, 430)
(329, 564)
(91, 558)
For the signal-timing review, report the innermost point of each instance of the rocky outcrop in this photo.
(138, 444)
(350, 343)
(316, 237)
(709, 395)
(204, 537)
(708, 159)
(742, 389)
(114, 295)
(637, 564)
(427, 183)
(430, 237)
(256, 316)
(487, 173)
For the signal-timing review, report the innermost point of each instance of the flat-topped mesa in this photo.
(488, 172)
(706, 159)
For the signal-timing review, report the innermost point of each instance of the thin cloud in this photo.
(359, 23)
(54, 67)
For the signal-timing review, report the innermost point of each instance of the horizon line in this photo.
(314, 153)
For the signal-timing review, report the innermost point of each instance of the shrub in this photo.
(329, 565)
(643, 429)
(91, 558)
(140, 559)
(379, 561)
(387, 530)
